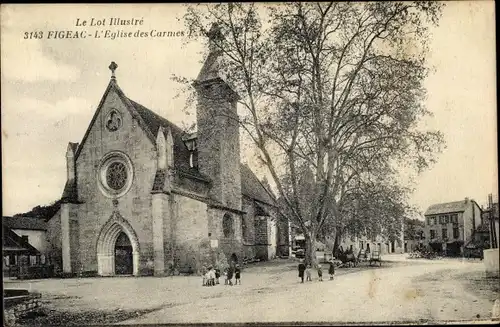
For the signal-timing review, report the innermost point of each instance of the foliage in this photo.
(43, 212)
(332, 95)
(413, 228)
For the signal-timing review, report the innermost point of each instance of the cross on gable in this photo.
(113, 67)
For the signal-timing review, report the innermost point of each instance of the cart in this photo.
(375, 257)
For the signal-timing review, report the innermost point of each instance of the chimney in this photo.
(466, 199)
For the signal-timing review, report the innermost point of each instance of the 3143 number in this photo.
(33, 35)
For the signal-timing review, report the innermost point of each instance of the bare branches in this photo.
(331, 98)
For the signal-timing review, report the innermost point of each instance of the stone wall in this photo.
(135, 205)
(218, 143)
(190, 231)
(248, 232)
(53, 249)
(17, 306)
(231, 244)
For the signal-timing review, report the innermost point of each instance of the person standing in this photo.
(217, 275)
(237, 275)
(230, 275)
(308, 273)
(331, 269)
(320, 273)
(302, 268)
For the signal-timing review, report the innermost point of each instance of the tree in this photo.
(332, 96)
(413, 229)
(42, 212)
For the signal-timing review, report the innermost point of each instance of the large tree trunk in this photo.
(336, 243)
(310, 255)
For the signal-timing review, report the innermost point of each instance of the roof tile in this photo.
(457, 206)
(20, 222)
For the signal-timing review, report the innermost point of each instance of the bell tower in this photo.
(218, 126)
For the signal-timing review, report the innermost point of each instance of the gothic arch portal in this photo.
(106, 245)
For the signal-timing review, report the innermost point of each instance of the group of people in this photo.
(212, 276)
(308, 271)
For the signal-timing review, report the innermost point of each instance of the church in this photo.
(143, 197)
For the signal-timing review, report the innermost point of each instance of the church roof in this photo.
(151, 121)
(181, 153)
(253, 188)
(250, 184)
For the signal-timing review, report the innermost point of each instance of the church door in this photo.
(123, 255)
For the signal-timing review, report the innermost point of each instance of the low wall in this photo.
(16, 306)
(491, 262)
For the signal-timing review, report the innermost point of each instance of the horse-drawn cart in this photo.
(375, 257)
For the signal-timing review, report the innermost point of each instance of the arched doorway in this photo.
(123, 255)
(117, 248)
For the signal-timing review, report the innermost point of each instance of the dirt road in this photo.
(399, 291)
(413, 292)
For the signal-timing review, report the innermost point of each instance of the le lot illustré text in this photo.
(82, 33)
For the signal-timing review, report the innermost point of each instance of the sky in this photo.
(51, 87)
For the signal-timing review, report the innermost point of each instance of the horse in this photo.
(347, 257)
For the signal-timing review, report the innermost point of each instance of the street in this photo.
(401, 290)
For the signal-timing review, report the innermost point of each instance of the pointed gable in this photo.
(150, 122)
(113, 87)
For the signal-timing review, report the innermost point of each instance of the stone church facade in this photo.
(142, 197)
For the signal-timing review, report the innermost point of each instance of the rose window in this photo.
(116, 175)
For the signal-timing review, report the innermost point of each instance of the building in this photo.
(449, 226)
(16, 247)
(490, 218)
(491, 255)
(142, 197)
(33, 230)
(380, 243)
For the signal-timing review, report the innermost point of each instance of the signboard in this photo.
(214, 243)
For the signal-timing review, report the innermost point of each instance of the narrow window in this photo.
(227, 225)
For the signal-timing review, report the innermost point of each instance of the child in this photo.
(308, 273)
(212, 277)
(320, 273)
(226, 281)
(217, 275)
(230, 275)
(302, 267)
(237, 275)
(331, 269)
(204, 275)
(206, 278)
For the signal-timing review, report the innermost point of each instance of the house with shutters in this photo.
(449, 226)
